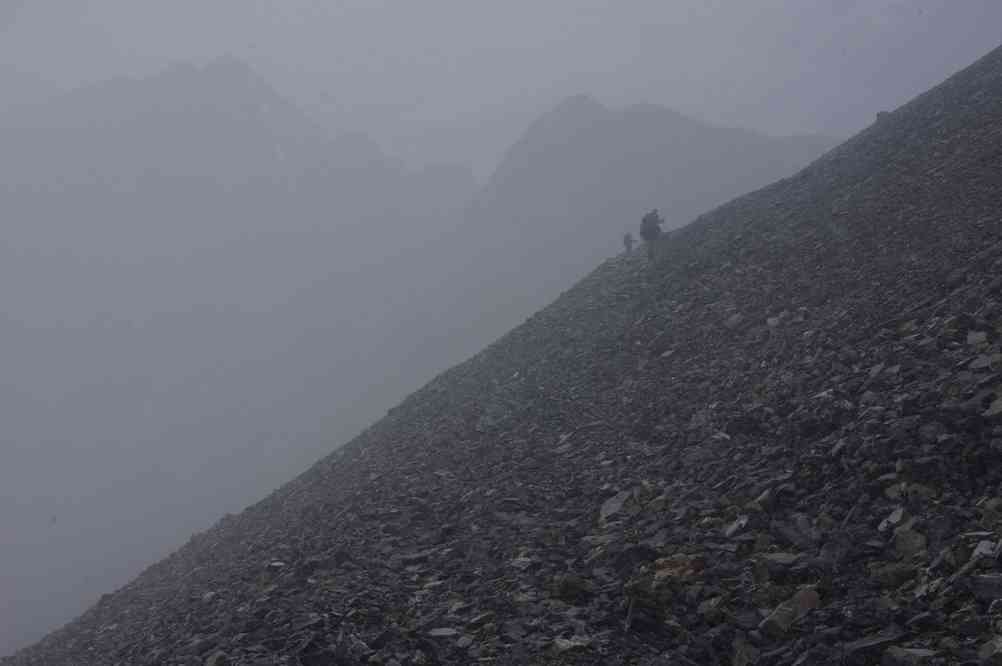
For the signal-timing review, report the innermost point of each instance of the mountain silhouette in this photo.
(581, 176)
(583, 173)
(174, 273)
(777, 445)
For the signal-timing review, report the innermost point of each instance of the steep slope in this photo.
(779, 446)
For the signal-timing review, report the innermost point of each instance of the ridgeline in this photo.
(781, 445)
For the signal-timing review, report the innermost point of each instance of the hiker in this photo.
(628, 242)
(650, 231)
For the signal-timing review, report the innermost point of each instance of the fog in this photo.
(236, 232)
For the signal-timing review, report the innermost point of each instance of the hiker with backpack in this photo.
(650, 231)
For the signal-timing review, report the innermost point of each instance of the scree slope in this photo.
(781, 445)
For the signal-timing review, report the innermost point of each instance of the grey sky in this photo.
(457, 80)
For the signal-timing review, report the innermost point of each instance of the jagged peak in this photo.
(580, 104)
(567, 117)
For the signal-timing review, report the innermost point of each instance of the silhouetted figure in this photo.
(628, 242)
(650, 230)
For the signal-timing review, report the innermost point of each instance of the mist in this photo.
(236, 233)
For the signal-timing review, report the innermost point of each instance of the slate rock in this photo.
(778, 622)
(990, 652)
(218, 658)
(900, 656)
(986, 587)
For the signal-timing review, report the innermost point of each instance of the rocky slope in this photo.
(780, 446)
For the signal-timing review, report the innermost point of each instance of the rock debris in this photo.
(782, 445)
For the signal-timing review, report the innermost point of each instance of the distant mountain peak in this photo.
(224, 77)
(575, 111)
(231, 64)
(580, 103)
(651, 109)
